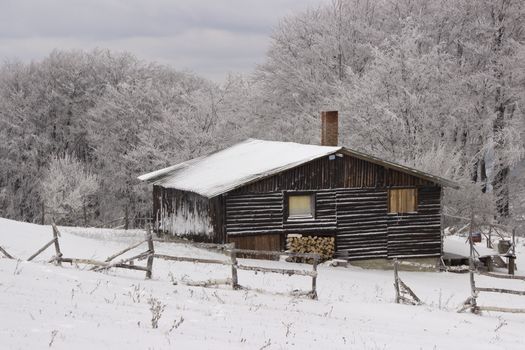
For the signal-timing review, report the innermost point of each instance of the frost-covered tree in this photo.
(43, 109)
(67, 190)
(415, 80)
(434, 84)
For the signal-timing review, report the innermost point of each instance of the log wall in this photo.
(361, 223)
(417, 234)
(189, 215)
(351, 203)
(341, 172)
(325, 215)
(351, 198)
(254, 213)
(358, 218)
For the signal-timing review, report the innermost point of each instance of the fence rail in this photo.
(228, 249)
(6, 254)
(471, 302)
(499, 275)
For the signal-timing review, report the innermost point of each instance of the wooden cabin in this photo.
(256, 192)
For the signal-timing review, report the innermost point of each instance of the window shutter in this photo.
(402, 200)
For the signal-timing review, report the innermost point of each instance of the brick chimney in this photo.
(329, 128)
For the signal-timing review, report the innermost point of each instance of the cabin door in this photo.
(361, 223)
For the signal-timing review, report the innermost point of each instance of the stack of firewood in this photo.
(324, 246)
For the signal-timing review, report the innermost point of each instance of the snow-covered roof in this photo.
(235, 166)
(251, 160)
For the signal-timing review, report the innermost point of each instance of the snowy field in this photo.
(46, 306)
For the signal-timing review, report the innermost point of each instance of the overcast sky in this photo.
(209, 37)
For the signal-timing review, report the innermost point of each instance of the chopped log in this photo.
(500, 290)
(41, 249)
(6, 254)
(323, 246)
(288, 272)
(192, 260)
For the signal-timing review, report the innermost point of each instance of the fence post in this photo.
(512, 265)
(151, 251)
(512, 256)
(473, 291)
(396, 280)
(233, 257)
(314, 279)
(56, 234)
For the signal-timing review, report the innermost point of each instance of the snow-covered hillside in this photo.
(46, 306)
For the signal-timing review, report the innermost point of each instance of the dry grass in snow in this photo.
(45, 306)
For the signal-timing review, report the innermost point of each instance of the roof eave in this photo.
(418, 173)
(250, 179)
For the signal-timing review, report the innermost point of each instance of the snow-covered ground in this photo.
(46, 306)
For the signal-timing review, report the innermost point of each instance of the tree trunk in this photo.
(500, 182)
(126, 217)
(483, 175)
(84, 212)
(43, 218)
(501, 189)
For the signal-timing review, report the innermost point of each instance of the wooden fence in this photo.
(230, 250)
(403, 292)
(471, 302)
(150, 255)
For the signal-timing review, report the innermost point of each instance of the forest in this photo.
(434, 84)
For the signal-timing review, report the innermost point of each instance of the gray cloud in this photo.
(211, 37)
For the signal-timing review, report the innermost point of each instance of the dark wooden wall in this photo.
(358, 218)
(361, 223)
(341, 172)
(418, 234)
(188, 205)
(270, 242)
(254, 213)
(351, 204)
(260, 213)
